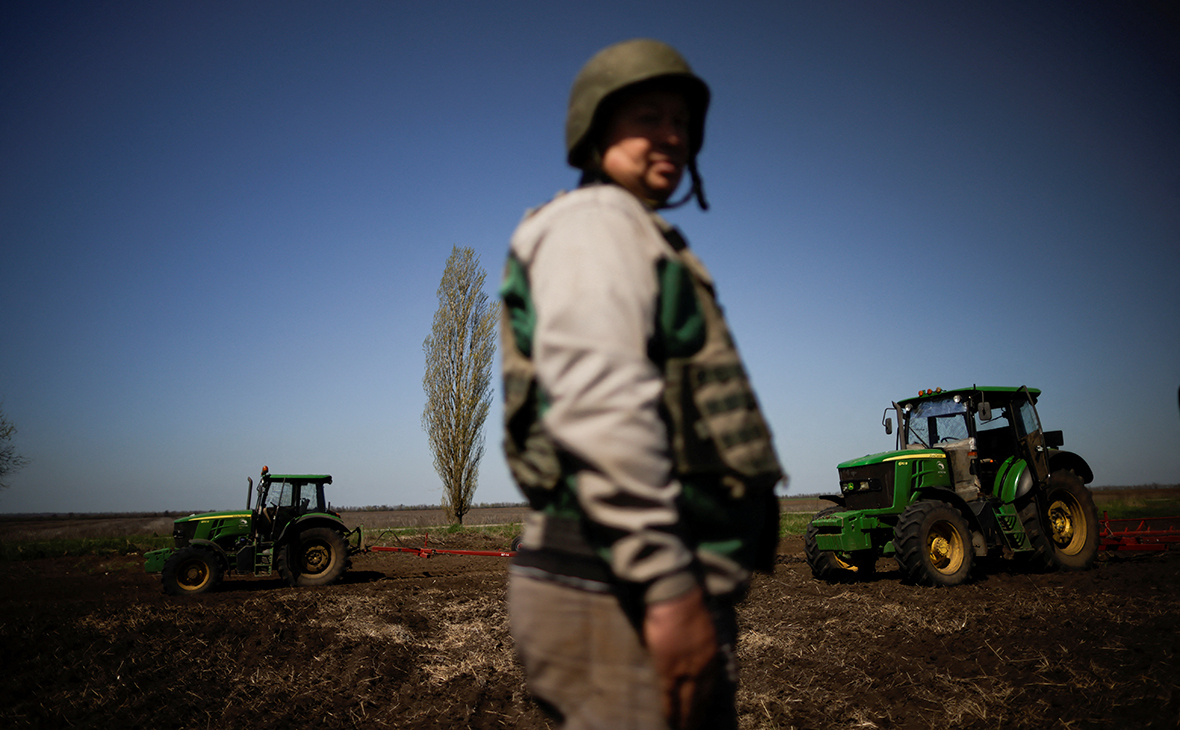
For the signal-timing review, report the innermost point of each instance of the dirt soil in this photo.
(408, 642)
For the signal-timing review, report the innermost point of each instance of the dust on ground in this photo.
(408, 642)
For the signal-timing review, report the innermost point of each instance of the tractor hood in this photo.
(890, 456)
(243, 513)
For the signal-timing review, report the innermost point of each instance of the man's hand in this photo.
(683, 644)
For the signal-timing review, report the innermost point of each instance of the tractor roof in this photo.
(325, 478)
(978, 392)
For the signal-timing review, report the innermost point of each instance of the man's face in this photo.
(646, 143)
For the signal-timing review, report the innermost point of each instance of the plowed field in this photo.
(408, 642)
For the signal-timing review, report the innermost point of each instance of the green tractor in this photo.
(291, 529)
(973, 476)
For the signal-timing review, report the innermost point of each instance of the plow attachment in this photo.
(426, 551)
(1138, 533)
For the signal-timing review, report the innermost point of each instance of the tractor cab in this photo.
(284, 498)
(981, 431)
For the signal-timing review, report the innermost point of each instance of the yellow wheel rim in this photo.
(316, 558)
(1067, 529)
(945, 548)
(193, 575)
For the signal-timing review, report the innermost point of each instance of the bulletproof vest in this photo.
(719, 438)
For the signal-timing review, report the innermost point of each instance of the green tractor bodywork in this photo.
(291, 529)
(972, 475)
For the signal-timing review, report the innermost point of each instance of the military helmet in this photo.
(621, 66)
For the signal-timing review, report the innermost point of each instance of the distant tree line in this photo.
(10, 461)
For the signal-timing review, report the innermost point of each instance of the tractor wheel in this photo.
(318, 556)
(933, 543)
(190, 571)
(834, 566)
(1065, 537)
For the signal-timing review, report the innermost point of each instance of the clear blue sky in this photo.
(223, 224)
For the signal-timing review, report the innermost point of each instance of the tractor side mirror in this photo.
(888, 426)
(985, 411)
(1054, 439)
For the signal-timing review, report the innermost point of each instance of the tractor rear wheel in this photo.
(1065, 535)
(318, 556)
(190, 571)
(933, 542)
(831, 565)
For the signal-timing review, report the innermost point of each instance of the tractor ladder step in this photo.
(263, 562)
(1009, 522)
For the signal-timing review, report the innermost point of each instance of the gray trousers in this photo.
(586, 665)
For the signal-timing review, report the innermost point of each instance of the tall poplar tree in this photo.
(458, 377)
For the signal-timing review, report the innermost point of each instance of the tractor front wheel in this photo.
(835, 566)
(190, 571)
(318, 556)
(933, 543)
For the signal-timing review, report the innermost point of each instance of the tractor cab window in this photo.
(312, 497)
(309, 498)
(1027, 421)
(280, 495)
(999, 420)
(930, 422)
(995, 440)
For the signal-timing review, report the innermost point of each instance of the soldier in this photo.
(630, 423)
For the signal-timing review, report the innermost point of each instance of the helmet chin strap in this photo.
(697, 190)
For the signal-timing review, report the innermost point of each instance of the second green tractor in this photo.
(973, 476)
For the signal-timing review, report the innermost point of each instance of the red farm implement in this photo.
(1138, 533)
(426, 551)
